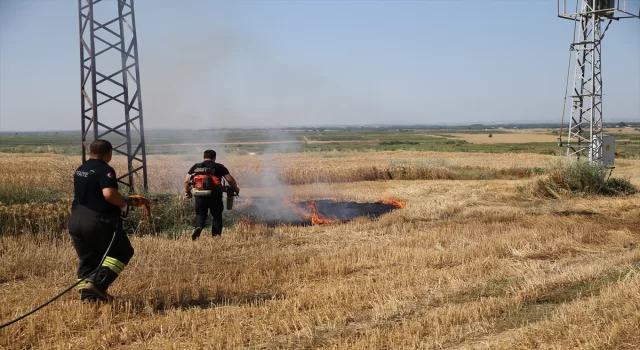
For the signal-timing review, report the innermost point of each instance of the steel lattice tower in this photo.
(585, 134)
(111, 101)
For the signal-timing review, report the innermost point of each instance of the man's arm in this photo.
(187, 186)
(113, 196)
(109, 186)
(232, 182)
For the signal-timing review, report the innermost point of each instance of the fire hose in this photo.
(134, 200)
(68, 288)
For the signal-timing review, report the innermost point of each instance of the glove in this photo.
(124, 210)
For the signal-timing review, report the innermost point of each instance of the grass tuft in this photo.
(581, 179)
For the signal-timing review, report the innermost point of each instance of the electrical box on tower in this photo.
(608, 150)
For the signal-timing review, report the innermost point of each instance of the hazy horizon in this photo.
(293, 64)
(345, 126)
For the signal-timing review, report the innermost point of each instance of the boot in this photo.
(101, 282)
(196, 233)
(91, 293)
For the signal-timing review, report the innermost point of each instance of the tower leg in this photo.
(111, 104)
(585, 132)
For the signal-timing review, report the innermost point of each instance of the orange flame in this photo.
(393, 202)
(312, 214)
(316, 217)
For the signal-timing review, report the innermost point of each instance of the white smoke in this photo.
(277, 192)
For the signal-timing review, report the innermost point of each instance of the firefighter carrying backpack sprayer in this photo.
(204, 183)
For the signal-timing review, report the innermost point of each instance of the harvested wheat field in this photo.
(625, 130)
(508, 137)
(473, 260)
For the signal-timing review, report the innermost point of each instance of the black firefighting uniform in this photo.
(213, 203)
(93, 223)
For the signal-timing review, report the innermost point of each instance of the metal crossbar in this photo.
(103, 86)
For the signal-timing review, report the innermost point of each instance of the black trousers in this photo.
(91, 233)
(214, 205)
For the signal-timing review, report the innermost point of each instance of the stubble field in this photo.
(507, 138)
(473, 260)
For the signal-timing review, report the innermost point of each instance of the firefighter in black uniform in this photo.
(212, 204)
(96, 215)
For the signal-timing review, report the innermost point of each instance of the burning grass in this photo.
(280, 211)
(175, 215)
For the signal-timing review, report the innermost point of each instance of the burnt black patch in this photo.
(276, 211)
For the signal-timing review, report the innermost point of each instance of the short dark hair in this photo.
(210, 154)
(100, 147)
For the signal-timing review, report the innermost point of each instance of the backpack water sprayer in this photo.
(204, 183)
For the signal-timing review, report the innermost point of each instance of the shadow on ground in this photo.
(161, 302)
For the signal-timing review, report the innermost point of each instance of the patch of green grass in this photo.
(581, 178)
(240, 142)
(10, 195)
(398, 142)
(41, 149)
(170, 217)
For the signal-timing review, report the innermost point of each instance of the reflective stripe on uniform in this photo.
(82, 284)
(113, 264)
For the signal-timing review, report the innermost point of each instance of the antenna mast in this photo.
(585, 135)
(111, 101)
